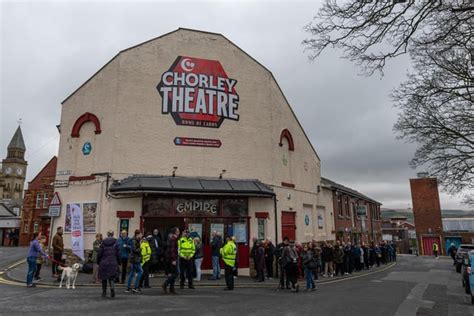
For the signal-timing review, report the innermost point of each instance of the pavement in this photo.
(414, 286)
(17, 273)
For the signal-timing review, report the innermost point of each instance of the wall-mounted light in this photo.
(174, 171)
(220, 175)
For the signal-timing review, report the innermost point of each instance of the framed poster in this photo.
(217, 227)
(240, 232)
(195, 227)
(90, 214)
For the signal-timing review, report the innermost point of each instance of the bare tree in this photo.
(435, 102)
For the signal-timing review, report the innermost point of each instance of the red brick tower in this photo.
(427, 214)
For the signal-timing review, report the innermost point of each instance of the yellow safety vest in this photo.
(186, 247)
(145, 251)
(435, 247)
(229, 253)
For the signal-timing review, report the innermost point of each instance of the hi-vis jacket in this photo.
(145, 251)
(229, 253)
(186, 247)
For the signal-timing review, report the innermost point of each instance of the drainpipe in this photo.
(275, 214)
(276, 218)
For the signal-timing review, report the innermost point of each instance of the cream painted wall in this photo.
(326, 207)
(137, 138)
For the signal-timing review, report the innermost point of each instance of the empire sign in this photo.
(198, 92)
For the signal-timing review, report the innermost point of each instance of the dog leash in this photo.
(57, 262)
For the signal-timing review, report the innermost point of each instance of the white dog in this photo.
(70, 273)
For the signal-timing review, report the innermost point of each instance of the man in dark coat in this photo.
(108, 259)
(171, 257)
(260, 261)
(156, 252)
(269, 255)
(216, 245)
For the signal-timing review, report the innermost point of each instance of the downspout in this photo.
(276, 218)
(275, 214)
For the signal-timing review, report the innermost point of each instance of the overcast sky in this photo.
(49, 49)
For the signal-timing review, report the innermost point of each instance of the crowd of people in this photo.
(136, 259)
(312, 260)
(143, 255)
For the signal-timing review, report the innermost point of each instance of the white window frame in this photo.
(39, 200)
(45, 199)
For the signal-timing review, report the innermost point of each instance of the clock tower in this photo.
(12, 178)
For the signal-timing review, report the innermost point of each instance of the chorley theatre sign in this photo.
(198, 92)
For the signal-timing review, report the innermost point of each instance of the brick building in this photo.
(40, 191)
(400, 232)
(427, 214)
(348, 225)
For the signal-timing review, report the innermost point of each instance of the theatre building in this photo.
(187, 130)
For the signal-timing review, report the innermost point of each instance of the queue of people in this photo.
(312, 260)
(181, 254)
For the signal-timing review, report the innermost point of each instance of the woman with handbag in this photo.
(309, 265)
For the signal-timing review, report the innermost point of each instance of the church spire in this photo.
(17, 141)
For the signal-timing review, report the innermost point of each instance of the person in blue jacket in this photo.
(33, 252)
(123, 243)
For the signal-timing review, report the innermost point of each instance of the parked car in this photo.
(470, 272)
(466, 270)
(462, 249)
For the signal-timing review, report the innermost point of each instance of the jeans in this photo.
(197, 263)
(308, 274)
(31, 269)
(136, 268)
(37, 270)
(216, 268)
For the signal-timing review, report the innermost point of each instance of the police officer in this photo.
(229, 254)
(186, 250)
(435, 250)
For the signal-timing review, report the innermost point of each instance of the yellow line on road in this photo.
(10, 282)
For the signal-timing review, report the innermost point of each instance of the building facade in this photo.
(188, 130)
(35, 217)
(356, 217)
(427, 214)
(401, 233)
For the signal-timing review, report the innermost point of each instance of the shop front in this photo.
(203, 215)
(199, 205)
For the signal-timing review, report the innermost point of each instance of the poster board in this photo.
(90, 215)
(240, 232)
(196, 227)
(217, 227)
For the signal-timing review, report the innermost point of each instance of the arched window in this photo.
(84, 118)
(287, 135)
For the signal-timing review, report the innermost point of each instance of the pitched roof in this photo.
(334, 185)
(191, 185)
(17, 140)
